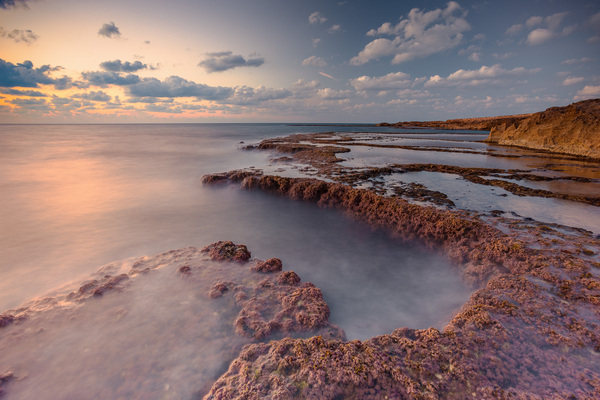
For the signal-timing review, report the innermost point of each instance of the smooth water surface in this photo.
(75, 197)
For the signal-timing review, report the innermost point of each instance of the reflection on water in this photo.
(471, 196)
(161, 338)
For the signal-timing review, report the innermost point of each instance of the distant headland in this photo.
(573, 129)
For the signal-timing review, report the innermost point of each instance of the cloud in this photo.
(245, 95)
(572, 80)
(94, 96)
(473, 52)
(316, 18)
(332, 94)
(327, 76)
(28, 93)
(539, 36)
(119, 66)
(19, 35)
(13, 3)
(419, 35)
(314, 61)
(588, 92)
(485, 75)
(225, 60)
(103, 79)
(109, 30)
(31, 104)
(24, 75)
(514, 29)
(392, 81)
(594, 23)
(301, 84)
(549, 28)
(334, 29)
(175, 86)
(504, 56)
(576, 60)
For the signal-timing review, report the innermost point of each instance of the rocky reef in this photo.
(574, 129)
(531, 331)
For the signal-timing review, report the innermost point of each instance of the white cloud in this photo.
(419, 35)
(485, 75)
(539, 36)
(316, 18)
(588, 92)
(392, 81)
(572, 80)
(314, 61)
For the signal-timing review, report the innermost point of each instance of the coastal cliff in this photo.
(574, 129)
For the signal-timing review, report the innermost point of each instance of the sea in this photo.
(74, 198)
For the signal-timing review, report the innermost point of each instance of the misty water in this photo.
(77, 197)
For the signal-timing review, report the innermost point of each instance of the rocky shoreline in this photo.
(530, 331)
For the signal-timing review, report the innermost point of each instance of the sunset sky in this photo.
(293, 61)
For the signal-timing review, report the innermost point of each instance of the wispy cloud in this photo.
(226, 60)
(109, 30)
(328, 76)
(418, 35)
(316, 18)
(19, 35)
(335, 29)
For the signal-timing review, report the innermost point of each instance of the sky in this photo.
(352, 61)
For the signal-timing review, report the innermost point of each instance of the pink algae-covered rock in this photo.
(227, 251)
(271, 265)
